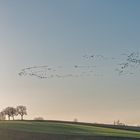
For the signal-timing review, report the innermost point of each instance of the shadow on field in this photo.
(19, 135)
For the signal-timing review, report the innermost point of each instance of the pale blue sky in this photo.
(59, 33)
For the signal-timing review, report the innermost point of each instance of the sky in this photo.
(85, 43)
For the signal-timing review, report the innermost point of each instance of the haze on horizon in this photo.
(64, 35)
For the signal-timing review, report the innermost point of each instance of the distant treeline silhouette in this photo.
(11, 112)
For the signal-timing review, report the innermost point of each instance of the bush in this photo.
(38, 118)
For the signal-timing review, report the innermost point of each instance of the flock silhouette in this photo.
(132, 62)
(97, 57)
(125, 66)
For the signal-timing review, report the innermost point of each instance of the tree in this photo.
(75, 120)
(13, 112)
(2, 116)
(7, 112)
(10, 112)
(21, 110)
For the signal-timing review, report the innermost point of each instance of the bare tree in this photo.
(2, 116)
(10, 112)
(13, 112)
(21, 110)
(7, 112)
(75, 120)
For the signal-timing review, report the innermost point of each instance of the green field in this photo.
(62, 129)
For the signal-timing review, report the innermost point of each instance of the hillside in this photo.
(42, 130)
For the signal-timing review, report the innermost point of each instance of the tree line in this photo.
(11, 112)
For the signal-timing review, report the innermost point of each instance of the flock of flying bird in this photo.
(131, 61)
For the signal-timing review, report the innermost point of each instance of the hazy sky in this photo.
(59, 34)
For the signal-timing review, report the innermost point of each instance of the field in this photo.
(56, 130)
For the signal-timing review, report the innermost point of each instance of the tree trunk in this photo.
(9, 118)
(21, 117)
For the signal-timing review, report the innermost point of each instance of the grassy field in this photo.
(41, 130)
